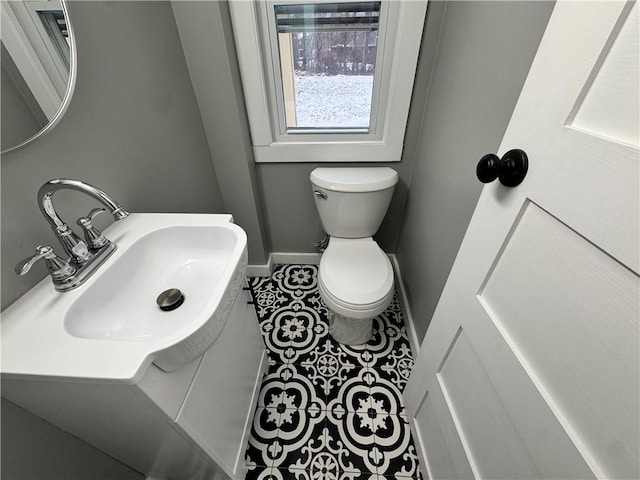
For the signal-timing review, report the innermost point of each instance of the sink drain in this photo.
(170, 299)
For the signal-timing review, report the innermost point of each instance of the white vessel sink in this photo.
(111, 327)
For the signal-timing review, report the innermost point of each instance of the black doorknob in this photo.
(510, 169)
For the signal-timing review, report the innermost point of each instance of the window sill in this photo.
(328, 152)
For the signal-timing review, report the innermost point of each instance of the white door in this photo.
(530, 367)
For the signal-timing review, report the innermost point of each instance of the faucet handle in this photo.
(95, 212)
(42, 251)
(58, 268)
(95, 239)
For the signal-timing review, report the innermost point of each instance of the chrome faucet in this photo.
(84, 256)
(46, 191)
(76, 248)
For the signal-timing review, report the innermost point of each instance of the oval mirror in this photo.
(38, 68)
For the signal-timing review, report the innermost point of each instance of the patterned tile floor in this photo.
(327, 411)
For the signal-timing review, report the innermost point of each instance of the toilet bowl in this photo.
(355, 281)
(355, 275)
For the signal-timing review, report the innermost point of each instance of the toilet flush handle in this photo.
(320, 194)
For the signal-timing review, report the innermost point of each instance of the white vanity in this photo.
(97, 376)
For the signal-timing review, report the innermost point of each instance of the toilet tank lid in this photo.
(357, 179)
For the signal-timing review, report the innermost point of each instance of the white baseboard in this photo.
(414, 342)
(264, 270)
(282, 258)
(296, 258)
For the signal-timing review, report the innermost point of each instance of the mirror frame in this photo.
(68, 93)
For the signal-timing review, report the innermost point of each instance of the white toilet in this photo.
(355, 276)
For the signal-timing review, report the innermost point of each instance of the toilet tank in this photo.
(352, 201)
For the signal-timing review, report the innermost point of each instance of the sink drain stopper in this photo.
(170, 299)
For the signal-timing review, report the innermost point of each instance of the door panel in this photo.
(491, 440)
(434, 441)
(607, 106)
(590, 305)
(438, 432)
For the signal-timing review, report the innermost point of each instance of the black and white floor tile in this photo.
(327, 411)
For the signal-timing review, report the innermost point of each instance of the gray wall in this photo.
(33, 449)
(484, 54)
(207, 39)
(133, 127)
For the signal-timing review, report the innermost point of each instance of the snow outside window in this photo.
(327, 55)
(327, 80)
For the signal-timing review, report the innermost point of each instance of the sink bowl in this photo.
(120, 305)
(114, 314)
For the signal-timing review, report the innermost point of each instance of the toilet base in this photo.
(350, 331)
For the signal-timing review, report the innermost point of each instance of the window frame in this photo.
(399, 36)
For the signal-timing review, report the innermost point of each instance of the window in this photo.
(55, 24)
(327, 80)
(327, 63)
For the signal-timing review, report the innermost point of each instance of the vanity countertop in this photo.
(37, 340)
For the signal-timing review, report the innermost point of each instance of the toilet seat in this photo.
(354, 310)
(355, 277)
